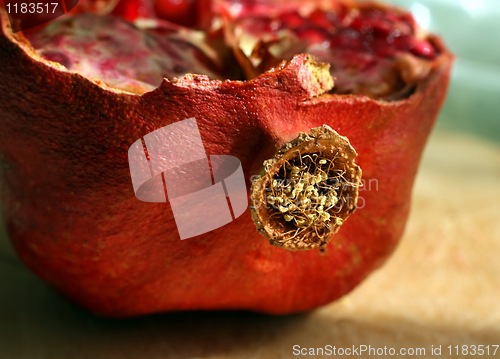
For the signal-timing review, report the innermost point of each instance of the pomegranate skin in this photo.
(70, 210)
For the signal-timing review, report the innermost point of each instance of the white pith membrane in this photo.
(241, 44)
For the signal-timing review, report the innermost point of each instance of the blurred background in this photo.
(470, 29)
(440, 288)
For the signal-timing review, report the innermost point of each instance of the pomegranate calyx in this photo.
(307, 190)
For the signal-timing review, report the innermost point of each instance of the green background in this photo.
(471, 29)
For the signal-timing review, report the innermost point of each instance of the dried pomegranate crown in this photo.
(304, 194)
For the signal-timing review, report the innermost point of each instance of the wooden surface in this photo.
(441, 287)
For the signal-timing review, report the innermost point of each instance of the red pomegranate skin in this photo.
(70, 210)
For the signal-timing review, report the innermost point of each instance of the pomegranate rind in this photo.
(71, 214)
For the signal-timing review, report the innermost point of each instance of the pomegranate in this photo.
(304, 92)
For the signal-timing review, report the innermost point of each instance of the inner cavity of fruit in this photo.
(306, 192)
(372, 50)
(131, 57)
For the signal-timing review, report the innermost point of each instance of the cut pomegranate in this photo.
(78, 94)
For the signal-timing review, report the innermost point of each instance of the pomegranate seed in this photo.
(424, 49)
(348, 38)
(322, 19)
(292, 20)
(404, 42)
(314, 34)
(382, 48)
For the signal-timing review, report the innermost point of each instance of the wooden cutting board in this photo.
(440, 288)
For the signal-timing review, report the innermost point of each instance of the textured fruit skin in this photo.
(70, 210)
